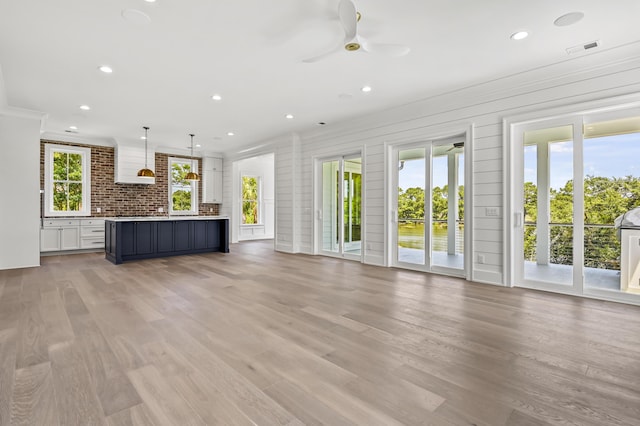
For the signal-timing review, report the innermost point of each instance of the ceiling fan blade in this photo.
(348, 18)
(394, 50)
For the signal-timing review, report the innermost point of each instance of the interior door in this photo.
(340, 207)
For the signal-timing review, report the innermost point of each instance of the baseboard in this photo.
(285, 248)
(375, 260)
(487, 277)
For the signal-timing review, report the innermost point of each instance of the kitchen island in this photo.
(132, 238)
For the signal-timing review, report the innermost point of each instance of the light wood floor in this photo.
(258, 337)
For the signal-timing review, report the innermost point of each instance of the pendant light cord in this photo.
(145, 147)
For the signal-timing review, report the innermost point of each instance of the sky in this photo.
(412, 174)
(610, 156)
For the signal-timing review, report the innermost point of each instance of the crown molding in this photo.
(8, 111)
(78, 138)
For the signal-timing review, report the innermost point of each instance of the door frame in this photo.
(317, 203)
(576, 286)
(612, 106)
(438, 133)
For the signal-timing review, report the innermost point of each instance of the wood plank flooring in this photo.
(259, 337)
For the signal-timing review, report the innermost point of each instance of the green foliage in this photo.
(411, 203)
(180, 187)
(604, 200)
(354, 179)
(250, 197)
(181, 200)
(67, 181)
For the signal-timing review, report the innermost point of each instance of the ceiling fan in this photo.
(353, 42)
(456, 145)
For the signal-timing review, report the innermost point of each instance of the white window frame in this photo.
(259, 200)
(194, 188)
(85, 153)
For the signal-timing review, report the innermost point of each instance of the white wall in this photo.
(261, 166)
(482, 108)
(20, 191)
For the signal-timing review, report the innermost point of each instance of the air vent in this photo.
(71, 131)
(582, 47)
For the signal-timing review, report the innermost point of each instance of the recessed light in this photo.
(73, 127)
(198, 145)
(568, 19)
(85, 107)
(142, 137)
(150, 1)
(519, 35)
(289, 116)
(230, 134)
(366, 89)
(106, 69)
(216, 97)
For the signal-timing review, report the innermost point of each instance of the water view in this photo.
(411, 235)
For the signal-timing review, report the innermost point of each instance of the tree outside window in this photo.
(250, 200)
(67, 180)
(183, 194)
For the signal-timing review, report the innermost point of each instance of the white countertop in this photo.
(157, 218)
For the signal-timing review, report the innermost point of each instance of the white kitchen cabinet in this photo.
(212, 180)
(49, 239)
(92, 234)
(60, 234)
(71, 234)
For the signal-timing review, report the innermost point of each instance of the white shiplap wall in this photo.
(481, 107)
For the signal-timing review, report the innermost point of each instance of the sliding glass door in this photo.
(573, 178)
(428, 214)
(340, 212)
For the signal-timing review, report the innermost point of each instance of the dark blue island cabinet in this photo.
(131, 239)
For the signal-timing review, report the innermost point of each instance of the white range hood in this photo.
(129, 159)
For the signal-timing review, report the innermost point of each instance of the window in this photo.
(67, 180)
(251, 200)
(183, 194)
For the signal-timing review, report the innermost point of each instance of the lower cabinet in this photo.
(165, 237)
(59, 235)
(71, 234)
(49, 239)
(129, 240)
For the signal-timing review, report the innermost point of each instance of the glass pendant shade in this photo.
(146, 172)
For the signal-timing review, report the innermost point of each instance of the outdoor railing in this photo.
(601, 245)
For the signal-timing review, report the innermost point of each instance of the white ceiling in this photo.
(251, 52)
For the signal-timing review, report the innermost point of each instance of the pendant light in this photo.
(192, 175)
(146, 172)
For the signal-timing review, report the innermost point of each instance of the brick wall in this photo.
(118, 199)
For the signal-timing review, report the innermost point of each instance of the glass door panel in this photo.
(447, 200)
(611, 188)
(352, 206)
(411, 236)
(331, 232)
(548, 206)
(340, 213)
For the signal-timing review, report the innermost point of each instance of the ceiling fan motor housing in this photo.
(351, 47)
